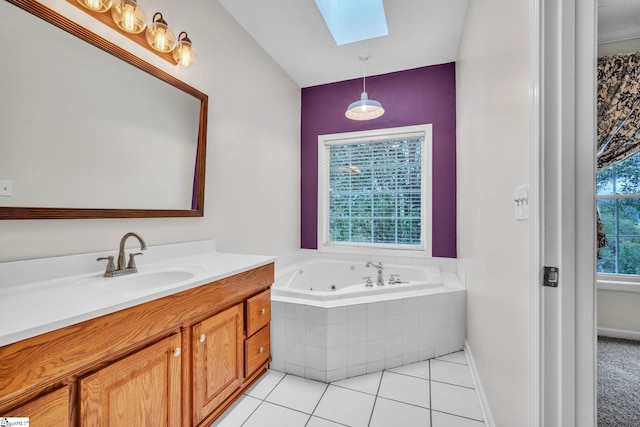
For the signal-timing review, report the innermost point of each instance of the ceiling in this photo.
(618, 20)
(294, 34)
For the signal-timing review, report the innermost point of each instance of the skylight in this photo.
(353, 20)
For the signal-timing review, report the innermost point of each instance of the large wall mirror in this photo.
(92, 133)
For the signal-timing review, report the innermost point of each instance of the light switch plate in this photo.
(6, 188)
(521, 201)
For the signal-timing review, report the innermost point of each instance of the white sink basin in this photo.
(136, 281)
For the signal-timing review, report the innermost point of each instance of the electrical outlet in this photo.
(6, 188)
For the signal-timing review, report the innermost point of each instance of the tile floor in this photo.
(434, 393)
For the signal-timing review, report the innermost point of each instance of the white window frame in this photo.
(423, 250)
(612, 281)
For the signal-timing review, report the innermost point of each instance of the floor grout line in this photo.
(318, 402)
(430, 399)
(403, 402)
(353, 389)
(410, 376)
(459, 416)
(376, 399)
(262, 400)
(252, 412)
(373, 408)
(450, 361)
(455, 385)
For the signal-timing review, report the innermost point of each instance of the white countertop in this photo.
(39, 296)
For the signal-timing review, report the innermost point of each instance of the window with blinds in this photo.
(374, 190)
(618, 201)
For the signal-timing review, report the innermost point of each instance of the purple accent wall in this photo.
(421, 95)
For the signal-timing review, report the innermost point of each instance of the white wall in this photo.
(494, 158)
(253, 155)
(624, 46)
(619, 310)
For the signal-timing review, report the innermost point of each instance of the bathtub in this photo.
(322, 280)
(327, 325)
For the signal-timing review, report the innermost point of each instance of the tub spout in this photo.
(379, 268)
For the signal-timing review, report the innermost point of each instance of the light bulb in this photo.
(129, 21)
(96, 5)
(161, 40)
(185, 56)
(129, 16)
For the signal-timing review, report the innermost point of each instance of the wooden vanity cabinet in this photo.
(180, 360)
(143, 389)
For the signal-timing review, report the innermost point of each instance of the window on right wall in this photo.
(618, 200)
(375, 191)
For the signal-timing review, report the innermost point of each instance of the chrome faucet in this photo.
(379, 267)
(131, 266)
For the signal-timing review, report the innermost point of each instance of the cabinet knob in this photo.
(202, 338)
(261, 350)
(177, 352)
(263, 311)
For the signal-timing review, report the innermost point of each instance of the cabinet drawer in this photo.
(256, 350)
(258, 312)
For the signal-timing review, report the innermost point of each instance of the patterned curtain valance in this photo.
(618, 108)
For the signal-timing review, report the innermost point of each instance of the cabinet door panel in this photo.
(49, 410)
(217, 360)
(140, 390)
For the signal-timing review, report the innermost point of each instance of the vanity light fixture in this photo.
(184, 53)
(159, 35)
(97, 5)
(128, 16)
(365, 108)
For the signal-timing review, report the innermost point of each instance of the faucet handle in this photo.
(394, 279)
(110, 266)
(369, 282)
(132, 261)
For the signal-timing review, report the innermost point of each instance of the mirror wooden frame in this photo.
(197, 201)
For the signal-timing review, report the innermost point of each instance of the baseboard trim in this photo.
(619, 333)
(484, 403)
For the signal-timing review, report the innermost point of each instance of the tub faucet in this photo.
(379, 267)
(121, 269)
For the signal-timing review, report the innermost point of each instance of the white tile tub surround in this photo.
(329, 344)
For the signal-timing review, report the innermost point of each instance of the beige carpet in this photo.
(618, 382)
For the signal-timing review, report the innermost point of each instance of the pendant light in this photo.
(159, 35)
(365, 108)
(129, 16)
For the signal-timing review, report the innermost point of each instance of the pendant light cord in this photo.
(364, 75)
(364, 59)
